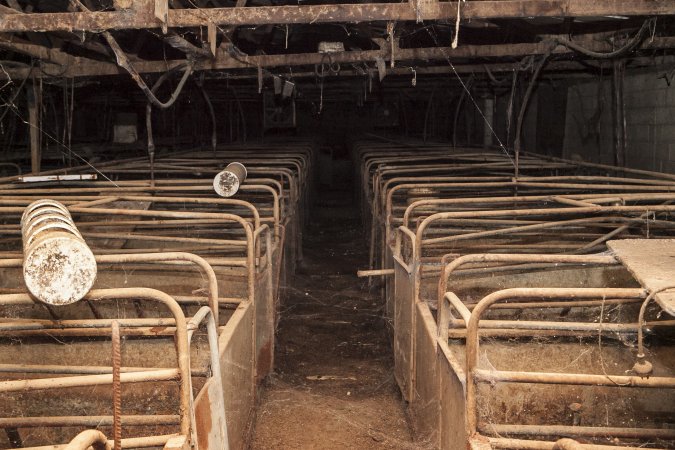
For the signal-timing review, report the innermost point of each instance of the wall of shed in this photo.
(650, 121)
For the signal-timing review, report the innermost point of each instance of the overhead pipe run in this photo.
(227, 182)
(58, 266)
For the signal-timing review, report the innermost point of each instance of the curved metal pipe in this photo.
(89, 438)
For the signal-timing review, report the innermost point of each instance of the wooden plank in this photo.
(162, 13)
(144, 17)
(652, 262)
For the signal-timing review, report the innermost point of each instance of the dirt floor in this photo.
(334, 386)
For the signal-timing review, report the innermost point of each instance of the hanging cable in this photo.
(509, 108)
(523, 107)
(643, 367)
(148, 117)
(209, 105)
(467, 86)
(123, 61)
(629, 46)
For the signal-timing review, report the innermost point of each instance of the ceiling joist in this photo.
(82, 67)
(142, 14)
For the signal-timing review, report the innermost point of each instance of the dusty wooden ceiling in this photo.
(70, 38)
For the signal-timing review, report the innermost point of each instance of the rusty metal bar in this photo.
(88, 380)
(563, 430)
(89, 438)
(76, 370)
(492, 376)
(472, 343)
(86, 421)
(130, 443)
(206, 268)
(449, 268)
(374, 273)
(522, 444)
(205, 314)
(182, 373)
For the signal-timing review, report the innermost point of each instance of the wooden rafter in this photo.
(80, 67)
(142, 14)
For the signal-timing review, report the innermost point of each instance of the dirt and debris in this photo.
(334, 386)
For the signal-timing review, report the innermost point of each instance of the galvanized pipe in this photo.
(576, 379)
(582, 431)
(173, 256)
(89, 438)
(75, 370)
(182, 350)
(523, 444)
(206, 268)
(87, 380)
(130, 443)
(87, 421)
(472, 343)
(450, 267)
(205, 314)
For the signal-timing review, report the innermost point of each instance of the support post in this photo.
(34, 97)
(619, 113)
(488, 112)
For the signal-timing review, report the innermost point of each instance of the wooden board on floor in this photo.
(652, 262)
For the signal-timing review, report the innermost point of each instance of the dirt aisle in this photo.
(334, 386)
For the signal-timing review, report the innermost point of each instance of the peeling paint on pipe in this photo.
(59, 268)
(227, 182)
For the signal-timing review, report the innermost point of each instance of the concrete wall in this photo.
(650, 121)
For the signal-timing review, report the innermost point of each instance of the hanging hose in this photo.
(457, 111)
(629, 46)
(241, 114)
(148, 114)
(151, 142)
(209, 105)
(643, 367)
(509, 109)
(123, 61)
(426, 116)
(523, 107)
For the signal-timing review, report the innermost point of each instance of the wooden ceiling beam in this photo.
(142, 14)
(462, 55)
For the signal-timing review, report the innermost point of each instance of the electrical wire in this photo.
(473, 100)
(626, 48)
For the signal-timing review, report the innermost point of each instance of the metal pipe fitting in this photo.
(89, 439)
(227, 182)
(58, 266)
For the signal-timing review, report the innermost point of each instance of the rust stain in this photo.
(204, 422)
(264, 360)
(157, 330)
